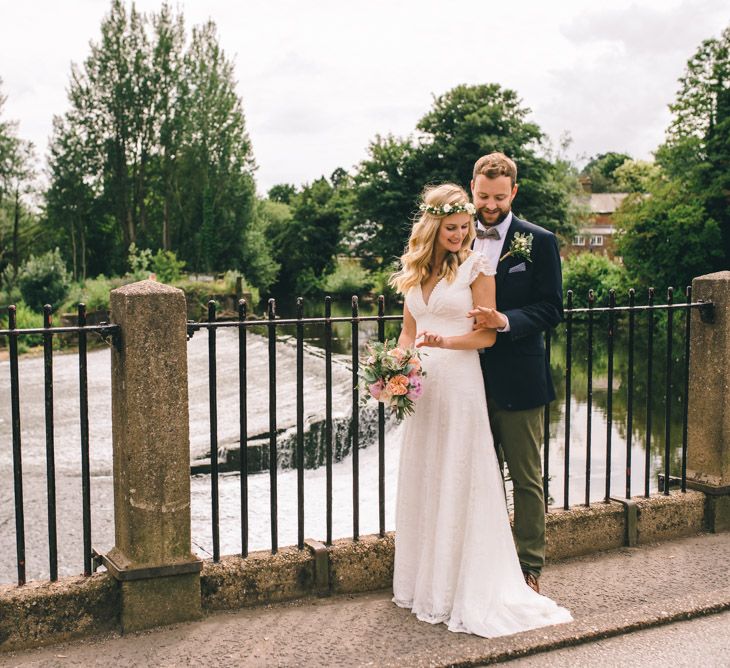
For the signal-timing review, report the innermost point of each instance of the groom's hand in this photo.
(487, 318)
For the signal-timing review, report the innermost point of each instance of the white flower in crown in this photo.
(448, 208)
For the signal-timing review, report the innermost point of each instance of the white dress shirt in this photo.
(492, 248)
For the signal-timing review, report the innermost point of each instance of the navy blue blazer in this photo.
(530, 293)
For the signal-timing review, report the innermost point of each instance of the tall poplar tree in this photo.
(697, 147)
(18, 223)
(682, 228)
(153, 149)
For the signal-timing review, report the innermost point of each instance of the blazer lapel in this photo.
(504, 265)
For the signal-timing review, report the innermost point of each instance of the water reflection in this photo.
(637, 447)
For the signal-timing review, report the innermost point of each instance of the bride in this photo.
(455, 559)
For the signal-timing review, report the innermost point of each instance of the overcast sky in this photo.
(320, 79)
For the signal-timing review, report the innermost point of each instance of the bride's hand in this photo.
(429, 340)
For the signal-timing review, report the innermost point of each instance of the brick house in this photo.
(597, 235)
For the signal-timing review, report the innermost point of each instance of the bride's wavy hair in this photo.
(416, 261)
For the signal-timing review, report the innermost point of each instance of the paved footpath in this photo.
(609, 594)
(699, 643)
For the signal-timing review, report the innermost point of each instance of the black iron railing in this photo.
(580, 333)
(48, 332)
(612, 312)
(589, 318)
(272, 323)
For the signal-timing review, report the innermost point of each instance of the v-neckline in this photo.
(433, 289)
(430, 296)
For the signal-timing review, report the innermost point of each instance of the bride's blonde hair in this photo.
(416, 260)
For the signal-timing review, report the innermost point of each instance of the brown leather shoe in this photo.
(532, 581)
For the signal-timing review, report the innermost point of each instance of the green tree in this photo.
(217, 164)
(171, 112)
(282, 192)
(258, 264)
(666, 239)
(305, 244)
(75, 219)
(601, 169)
(153, 149)
(636, 176)
(18, 222)
(388, 184)
(463, 124)
(697, 147)
(587, 271)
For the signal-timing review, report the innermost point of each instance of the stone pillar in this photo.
(708, 453)
(158, 575)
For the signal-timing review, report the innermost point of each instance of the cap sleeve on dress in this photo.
(480, 265)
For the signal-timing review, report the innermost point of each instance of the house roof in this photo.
(605, 202)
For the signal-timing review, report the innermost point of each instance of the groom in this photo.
(516, 371)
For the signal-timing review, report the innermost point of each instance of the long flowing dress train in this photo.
(455, 558)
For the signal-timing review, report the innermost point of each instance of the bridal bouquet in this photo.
(393, 375)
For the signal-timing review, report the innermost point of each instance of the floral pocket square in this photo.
(518, 267)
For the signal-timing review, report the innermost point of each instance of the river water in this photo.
(67, 442)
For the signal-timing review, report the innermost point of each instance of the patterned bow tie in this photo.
(489, 233)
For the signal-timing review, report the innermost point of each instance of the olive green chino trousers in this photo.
(518, 438)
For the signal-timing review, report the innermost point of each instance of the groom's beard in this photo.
(502, 216)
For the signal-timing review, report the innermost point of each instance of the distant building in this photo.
(597, 235)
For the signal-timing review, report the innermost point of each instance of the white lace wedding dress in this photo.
(455, 558)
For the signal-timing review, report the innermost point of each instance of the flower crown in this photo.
(447, 209)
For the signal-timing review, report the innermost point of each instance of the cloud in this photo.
(294, 120)
(642, 30)
(614, 96)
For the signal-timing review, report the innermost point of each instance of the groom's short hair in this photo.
(494, 165)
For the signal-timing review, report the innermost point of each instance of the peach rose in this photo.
(398, 385)
(397, 353)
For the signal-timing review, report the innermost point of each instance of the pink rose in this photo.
(415, 388)
(376, 388)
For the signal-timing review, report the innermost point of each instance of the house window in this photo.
(579, 240)
(597, 240)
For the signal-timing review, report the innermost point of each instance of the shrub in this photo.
(348, 278)
(94, 292)
(380, 280)
(25, 318)
(166, 266)
(44, 280)
(139, 260)
(587, 271)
